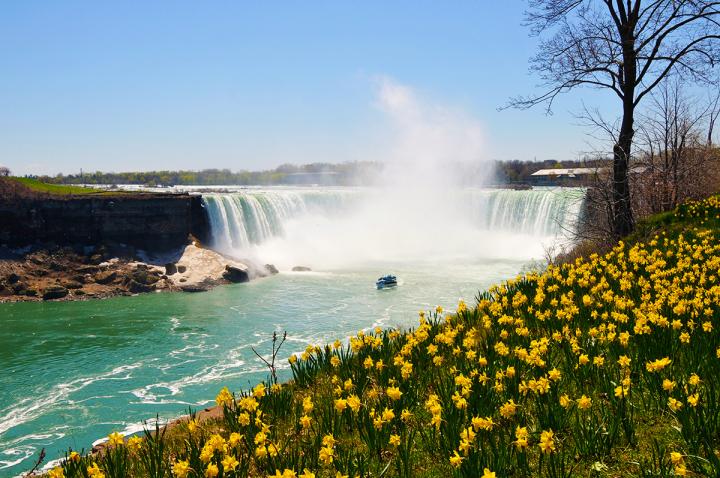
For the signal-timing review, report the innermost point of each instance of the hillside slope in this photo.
(608, 366)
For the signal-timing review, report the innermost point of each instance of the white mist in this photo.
(417, 213)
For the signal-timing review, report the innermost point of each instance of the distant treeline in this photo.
(350, 173)
(316, 173)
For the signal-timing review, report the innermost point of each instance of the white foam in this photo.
(44, 401)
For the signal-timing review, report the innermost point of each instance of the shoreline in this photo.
(49, 273)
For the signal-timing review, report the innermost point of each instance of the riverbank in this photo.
(62, 242)
(83, 273)
(601, 367)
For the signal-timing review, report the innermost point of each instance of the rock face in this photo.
(271, 269)
(236, 274)
(153, 222)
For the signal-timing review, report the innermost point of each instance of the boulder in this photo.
(235, 274)
(79, 278)
(143, 276)
(301, 269)
(12, 278)
(202, 286)
(28, 292)
(96, 259)
(88, 269)
(71, 284)
(170, 269)
(17, 287)
(106, 277)
(54, 292)
(137, 287)
(271, 269)
(38, 259)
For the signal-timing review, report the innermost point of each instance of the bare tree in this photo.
(627, 47)
(4, 172)
(713, 114)
(677, 159)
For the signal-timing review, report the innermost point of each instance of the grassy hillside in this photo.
(61, 189)
(609, 366)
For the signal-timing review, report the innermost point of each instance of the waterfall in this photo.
(243, 219)
(539, 212)
(240, 220)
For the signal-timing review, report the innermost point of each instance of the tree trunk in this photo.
(623, 223)
(622, 211)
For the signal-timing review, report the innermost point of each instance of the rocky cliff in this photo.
(153, 222)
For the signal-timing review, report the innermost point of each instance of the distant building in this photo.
(572, 176)
(562, 176)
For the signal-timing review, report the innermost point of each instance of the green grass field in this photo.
(59, 189)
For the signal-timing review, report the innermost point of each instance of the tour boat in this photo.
(386, 281)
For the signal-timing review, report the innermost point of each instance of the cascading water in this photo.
(350, 224)
(241, 220)
(540, 212)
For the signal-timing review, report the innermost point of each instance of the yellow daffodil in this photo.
(115, 439)
(181, 469)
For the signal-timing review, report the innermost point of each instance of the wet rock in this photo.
(181, 269)
(194, 288)
(271, 269)
(170, 269)
(301, 269)
(143, 276)
(163, 283)
(235, 274)
(202, 286)
(79, 292)
(138, 287)
(54, 292)
(106, 277)
(28, 292)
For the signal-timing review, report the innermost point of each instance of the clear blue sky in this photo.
(138, 85)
